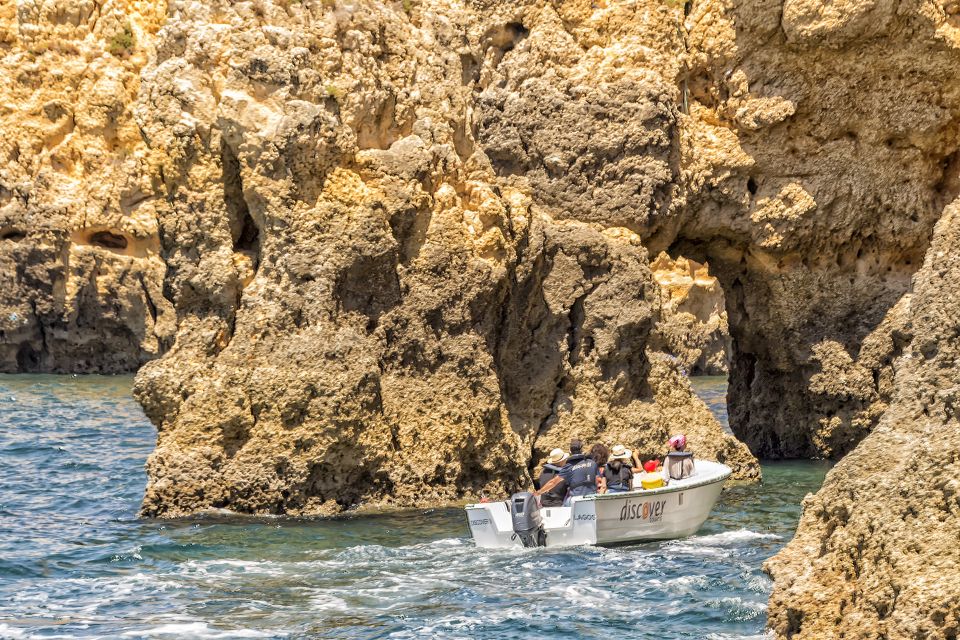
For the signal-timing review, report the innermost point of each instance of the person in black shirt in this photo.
(617, 473)
(580, 474)
(551, 469)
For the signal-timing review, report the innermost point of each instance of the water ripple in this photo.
(75, 561)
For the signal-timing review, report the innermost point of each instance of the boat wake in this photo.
(76, 563)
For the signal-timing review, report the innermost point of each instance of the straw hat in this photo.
(557, 455)
(620, 452)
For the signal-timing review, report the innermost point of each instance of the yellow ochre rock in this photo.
(391, 253)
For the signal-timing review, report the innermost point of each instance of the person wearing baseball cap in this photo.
(551, 469)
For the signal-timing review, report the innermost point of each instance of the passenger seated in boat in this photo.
(679, 463)
(551, 469)
(580, 474)
(617, 473)
(652, 476)
(599, 453)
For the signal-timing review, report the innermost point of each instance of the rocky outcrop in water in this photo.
(822, 149)
(876, 554)
(394, 252)
(386, 303)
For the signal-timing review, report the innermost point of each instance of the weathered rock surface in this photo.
(876, 554)
(380, 299)
(820, 150)
(394, 252)
(81, 276)
(693, 320)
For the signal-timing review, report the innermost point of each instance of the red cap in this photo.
(650, 466)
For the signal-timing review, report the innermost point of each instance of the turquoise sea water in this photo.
(75, 561)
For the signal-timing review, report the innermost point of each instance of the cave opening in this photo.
(12, 234)
(248, 239)
(810, 342)
(108, 240)
(244, 231)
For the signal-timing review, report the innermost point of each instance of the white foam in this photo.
(230, 567)
(730, 537)
(196, 630)
(717, 544)
(6, 631)
(326, 601)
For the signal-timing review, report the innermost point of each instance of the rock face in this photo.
(392, 253)
(693, 315)
(380, 298)
(876, 554)
(820, 151)
(81, 275)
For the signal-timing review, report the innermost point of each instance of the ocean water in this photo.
(75, 562)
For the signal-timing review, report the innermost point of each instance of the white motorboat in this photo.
(672, 511)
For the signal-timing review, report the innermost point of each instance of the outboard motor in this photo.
(527, 521)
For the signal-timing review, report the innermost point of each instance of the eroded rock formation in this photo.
(822, 148)
(693, 321)
(876, 554)
(81, 275)
(394, 252)
(381, 299)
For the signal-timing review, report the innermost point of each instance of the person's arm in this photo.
(554, 481)
(601, 484)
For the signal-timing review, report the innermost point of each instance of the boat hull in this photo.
(675, 511)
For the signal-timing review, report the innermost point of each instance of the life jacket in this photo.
(554, 497)
(618, 479)
(679, 465)
(580, 472)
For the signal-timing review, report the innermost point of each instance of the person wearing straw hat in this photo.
(617, 473)
(551, 470)
(579, 473)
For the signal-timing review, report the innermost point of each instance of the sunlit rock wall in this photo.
(81, 272)
(391, 253)
(820, 150)
(693, 315)
(876, 554)
(387, 292)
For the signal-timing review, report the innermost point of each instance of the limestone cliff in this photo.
(392, 286)
(393, 252)
(876, 554)
(693, 320)
(820, 150)
(81, 273)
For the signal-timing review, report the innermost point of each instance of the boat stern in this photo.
(491, 525)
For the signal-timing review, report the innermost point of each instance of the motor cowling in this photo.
(527, 521)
